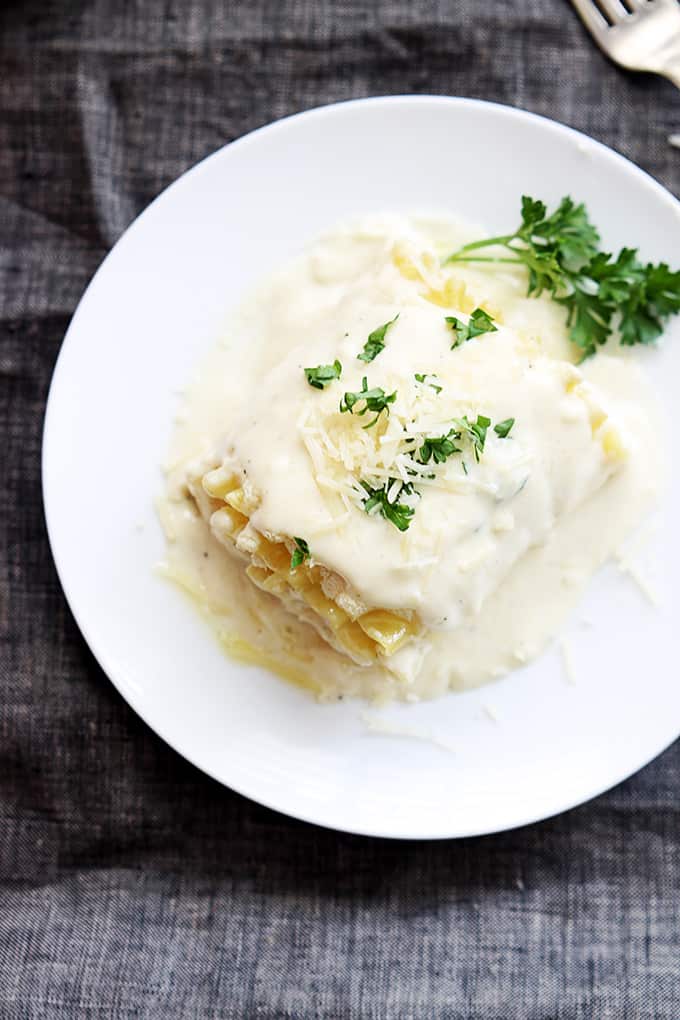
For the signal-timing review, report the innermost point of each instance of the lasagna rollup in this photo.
(413, 513)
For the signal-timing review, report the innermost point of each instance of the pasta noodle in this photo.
(315, 593)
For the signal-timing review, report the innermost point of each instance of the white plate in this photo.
(159, 301)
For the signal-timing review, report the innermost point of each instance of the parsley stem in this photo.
(480, 258)
(486, 243)
(601, 294)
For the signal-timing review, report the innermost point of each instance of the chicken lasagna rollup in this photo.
(382, 498)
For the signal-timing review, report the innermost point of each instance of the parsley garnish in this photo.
(474, 431)
(421, 377)
(502, 430)
(439, 448)
(599, 292)
(376, 341)
(479, 322)
(322, 375)
(300, 553)
(375, 400)
(399, 514)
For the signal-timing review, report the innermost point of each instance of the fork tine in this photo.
(614, 10)
(591, 16)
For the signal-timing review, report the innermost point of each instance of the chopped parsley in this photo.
(422, 377)
(398, 514)
(376, 401)
(600, 293)
(300, 553)
(376, 341)
(502, 430)
(474, 432)
(322, 375)
(439, 448)
(387, 498)
(478, 323)
(436, 449)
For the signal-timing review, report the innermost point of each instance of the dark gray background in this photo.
(131, 885)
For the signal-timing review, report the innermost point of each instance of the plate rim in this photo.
(127, 693)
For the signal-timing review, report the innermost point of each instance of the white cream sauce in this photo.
(494, 560)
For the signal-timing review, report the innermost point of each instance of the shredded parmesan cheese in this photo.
(383, 727)
(344, 453)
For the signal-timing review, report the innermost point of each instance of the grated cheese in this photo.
(383, 727)
(344, 453)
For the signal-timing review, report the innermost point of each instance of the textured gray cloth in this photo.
(130, 884)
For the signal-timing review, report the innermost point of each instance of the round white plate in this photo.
(513, 752)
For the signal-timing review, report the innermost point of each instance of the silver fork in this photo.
(642, 35)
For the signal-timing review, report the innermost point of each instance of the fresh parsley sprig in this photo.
(376, 341)
(480, 322)
(600, 293)
(376, 401)
(322, 375)
(300, 553)
(398, 514)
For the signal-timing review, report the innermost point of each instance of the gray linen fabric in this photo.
(130, 884)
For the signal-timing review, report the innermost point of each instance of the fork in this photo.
(642, 35)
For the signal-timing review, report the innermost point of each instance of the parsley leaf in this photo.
(644, 295)
(478, 323)
(322, 375)
(439, 448)
(376, 341)
(375, 400)
(474, 432)
(421, 377)
(638, 296)
(300, 553)
(436, 449)
(568, 234)
(502, 429)
(600, 293)
(399, 514)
